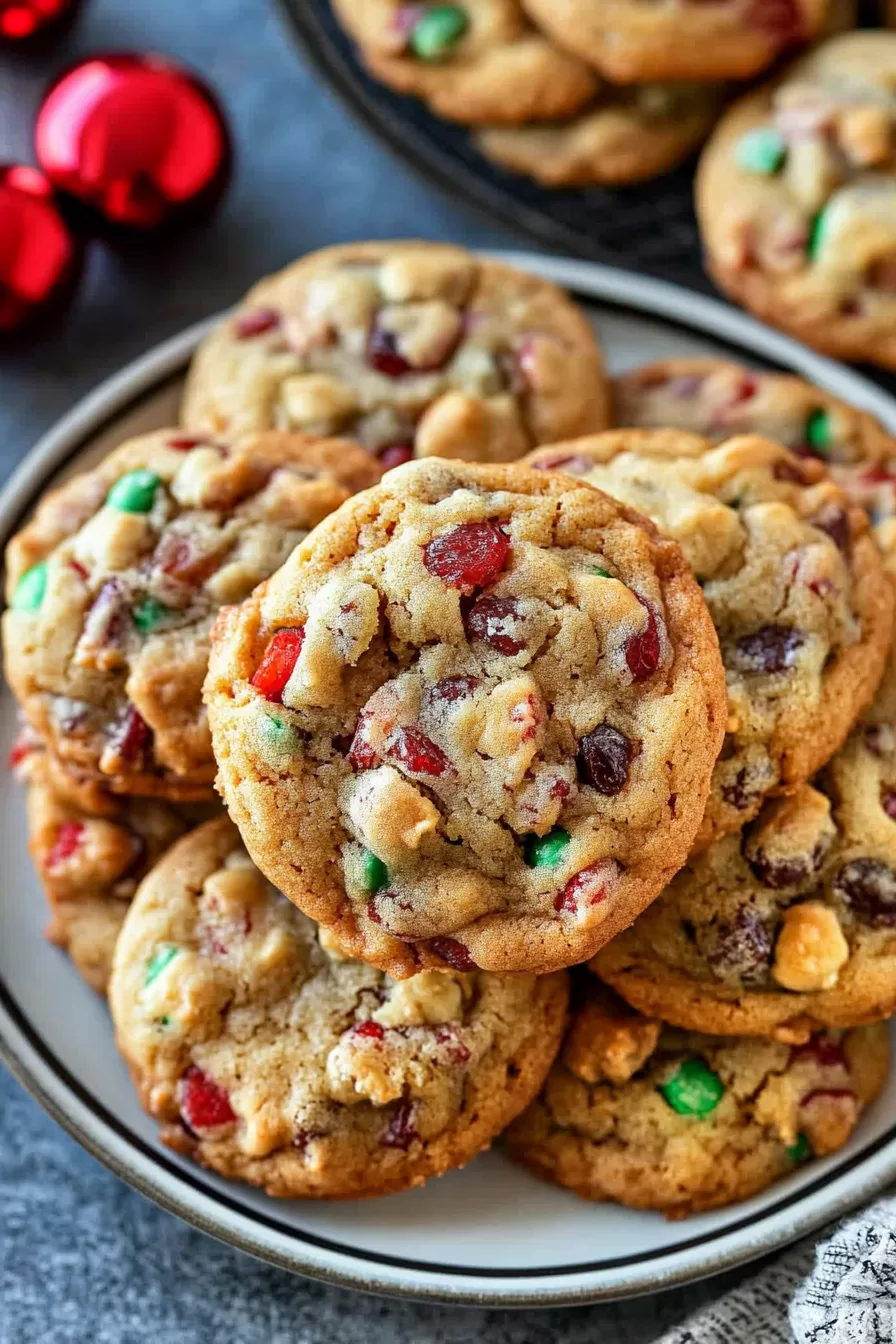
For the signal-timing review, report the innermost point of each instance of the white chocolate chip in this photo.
(432, 997)
(314, 401)
(390, 816)
(113, 540)
(342, 620)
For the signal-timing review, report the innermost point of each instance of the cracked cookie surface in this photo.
(412, 349)
(479, 61)
(640, 1113)
(795, 198)
(472, 720)
(794, 582)
(114, 584)
(274, 1061)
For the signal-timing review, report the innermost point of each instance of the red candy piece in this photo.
(21, 749)
(395, 455)
(68, 838)
(642, 652)
(469, 556)
(276, 667)
(136, 140)
(25, 22)
(421, 756)
(203, 1104)
(184, 443)
(132, 736)
(40, 257)
(370, 1029)
(589, 887)
(823, 1049)
(256, 323)
(454, 953)
(401, 1132)
(361, 755)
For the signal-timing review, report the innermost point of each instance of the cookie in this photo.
(794, 198)
(274, 1061)
(638, 41)
(115, 582)
(789, 926)
(793, 580)
(624, 135)
(719, 398)
(480, 61)
(640, 1113)
(89, 862)
(410, 348)
(472, 720)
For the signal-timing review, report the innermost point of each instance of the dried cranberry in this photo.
(882, 275)
(603, 759)
(780, 18)
(383, 353)
(574, 464)
(107, 619)
(22, 748)
(746, 388)
(469, 556)
(834, 521)
(642, 652)
(740, 946)
(790, 471)
(256, 323)
(769, 649)
(395, 455)
(373, 914)
(81, 570)
(203, 1104)
(361, 755)
(452, 689)
(414, 750)
(824, 1050)
(454, 953)
(132, 735)
(370, 1029)
(589, 887)
(869, 887)
(401, 1132)
(178, 557)
(184, 443)
(68, 839)
(456, 1050)
(493, 620)
(276, 667)
(888, 803)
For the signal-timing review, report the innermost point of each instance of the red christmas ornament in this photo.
(23, 22)
(40, 258)
(136, 142)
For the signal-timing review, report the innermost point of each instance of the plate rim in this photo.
(43, 1077)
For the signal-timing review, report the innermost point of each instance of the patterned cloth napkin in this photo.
(842, 1293)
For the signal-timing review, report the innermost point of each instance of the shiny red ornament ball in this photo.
(24, 22)
(40, 257)
(135, 142)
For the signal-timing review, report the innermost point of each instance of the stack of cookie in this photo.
(581, 91)
(545, 695)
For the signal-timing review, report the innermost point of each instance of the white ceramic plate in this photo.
(491, 1234)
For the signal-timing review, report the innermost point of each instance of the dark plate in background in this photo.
(648, 228)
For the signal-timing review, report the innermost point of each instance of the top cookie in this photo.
(480, 61)
(634, 41)
(472, 720)
(410, 348)
(115, 582)
(795, 197)
(270, 1057)
(718, 399)
(794, 582)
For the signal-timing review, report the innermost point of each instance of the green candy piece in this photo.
(816, 235)
(693, 1089)
(148, 613)
(374, 873)
(799, 1151)
(818, 430)
(160, 960)
(546, 851)
(278, 737)
(761, 151)
(31, 589)
(437, 31)
(600, 571)
(134, 492)
(164, 1021)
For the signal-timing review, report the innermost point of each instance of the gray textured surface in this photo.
(82, 1257)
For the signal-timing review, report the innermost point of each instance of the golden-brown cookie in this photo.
(277, 1062)
(472, 720)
